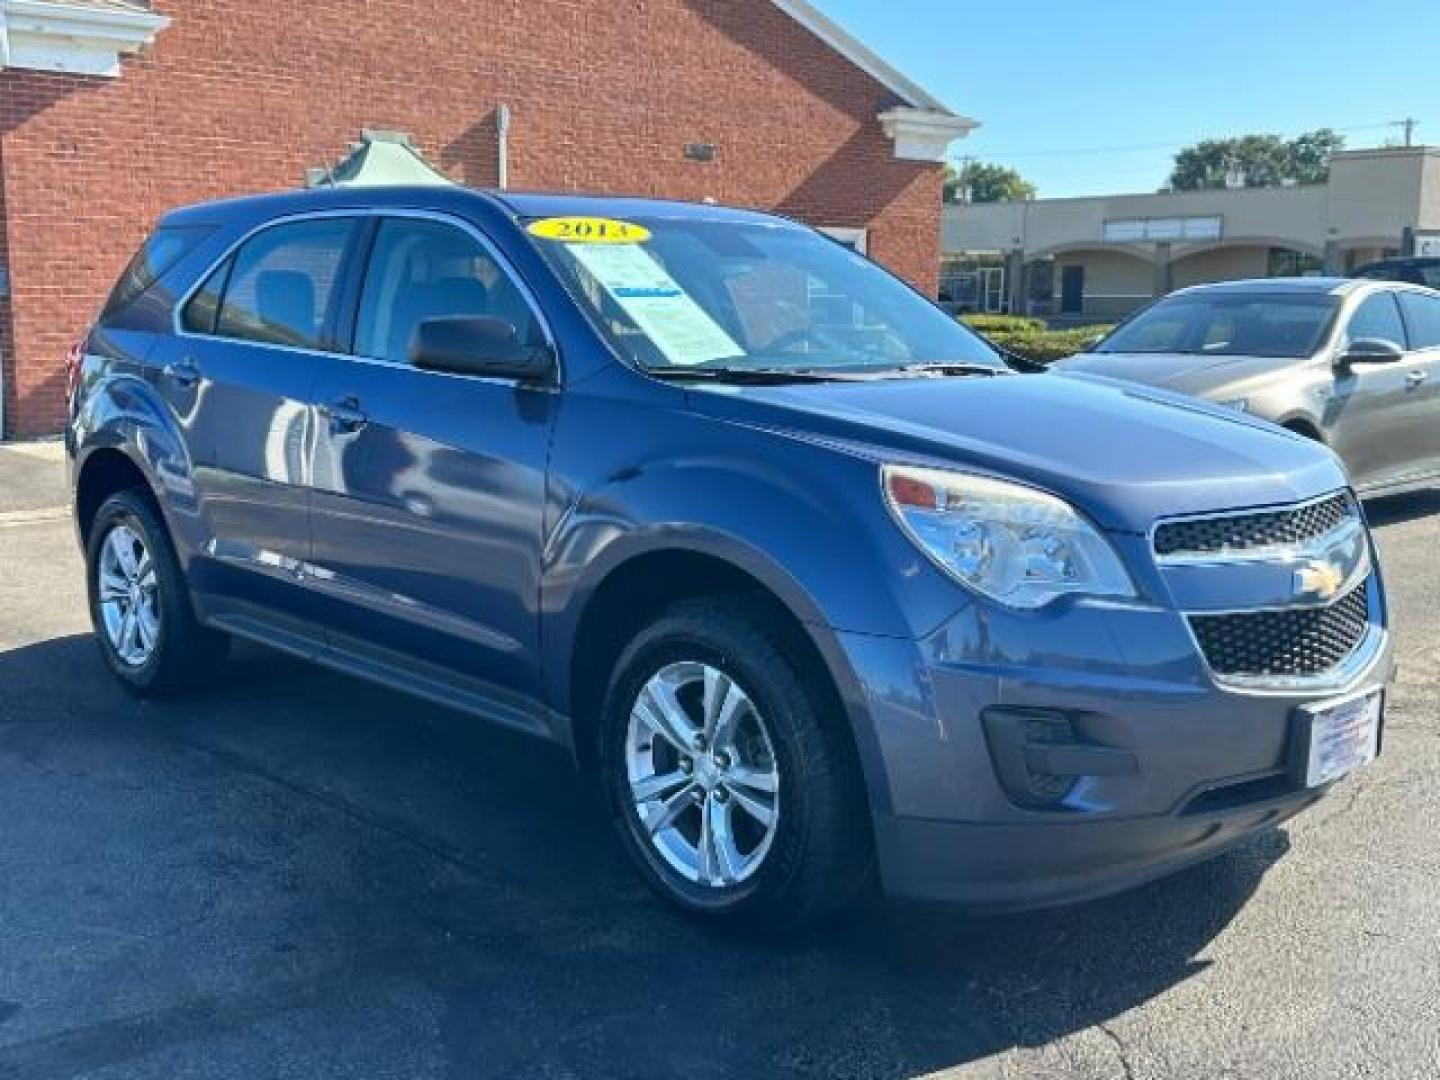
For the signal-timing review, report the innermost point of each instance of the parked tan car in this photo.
(1353, 363)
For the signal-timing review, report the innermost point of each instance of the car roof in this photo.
(528, 204)
(438, 197)
(1314, 286)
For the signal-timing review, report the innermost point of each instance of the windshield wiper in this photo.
(953, 367)
(752, 376)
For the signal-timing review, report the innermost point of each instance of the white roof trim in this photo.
(42, 35)
(859, 54)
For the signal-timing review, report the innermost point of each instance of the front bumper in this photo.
(1187, 767)
(1012, 867)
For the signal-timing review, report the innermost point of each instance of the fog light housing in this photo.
(1039, 756)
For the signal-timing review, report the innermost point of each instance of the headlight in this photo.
(1014, 544)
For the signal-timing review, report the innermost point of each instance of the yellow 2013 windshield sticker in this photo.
(589, 230)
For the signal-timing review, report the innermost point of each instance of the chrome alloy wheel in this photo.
(702, 774)
(128, 596)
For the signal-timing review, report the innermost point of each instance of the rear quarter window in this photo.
(1422, 315)
(163, 249)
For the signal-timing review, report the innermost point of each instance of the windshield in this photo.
(675, 294)
(1228, 324)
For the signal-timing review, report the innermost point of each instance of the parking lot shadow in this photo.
(298, 864)
(1396, 509)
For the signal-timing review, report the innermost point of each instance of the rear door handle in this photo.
(184, 373)
(344, 416)
(1415, 378)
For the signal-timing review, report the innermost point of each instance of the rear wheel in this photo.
(140, 603)
(734, 793)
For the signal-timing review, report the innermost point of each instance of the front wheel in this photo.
(734, 792)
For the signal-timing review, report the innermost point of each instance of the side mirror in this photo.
(1371, 351)
(478, 345)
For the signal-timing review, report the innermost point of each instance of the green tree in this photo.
(981, 182)
(1256, 161)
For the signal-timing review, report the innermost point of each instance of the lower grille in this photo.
(1292, 643)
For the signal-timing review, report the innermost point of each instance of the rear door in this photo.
(1371, 417)
(239, 376)
(430, 488)
(1422, 372)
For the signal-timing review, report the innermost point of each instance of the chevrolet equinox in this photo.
(819, 588)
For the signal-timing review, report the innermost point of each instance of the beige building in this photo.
(1094, 259)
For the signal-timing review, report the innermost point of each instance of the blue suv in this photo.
(820, 589)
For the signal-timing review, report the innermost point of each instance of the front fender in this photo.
(807, 521)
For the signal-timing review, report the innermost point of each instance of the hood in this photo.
(1124, 454)
(1183, 372)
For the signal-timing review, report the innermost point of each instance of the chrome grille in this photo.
(1293, 642)
(1243, 532)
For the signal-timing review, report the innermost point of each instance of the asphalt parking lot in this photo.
(297, 875)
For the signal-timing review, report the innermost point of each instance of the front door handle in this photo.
(344, 416)
(183, 374)
(1416, 377)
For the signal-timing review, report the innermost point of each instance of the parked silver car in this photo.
(1355, 364)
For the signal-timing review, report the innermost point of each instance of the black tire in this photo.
(185, 652)
(821, 858)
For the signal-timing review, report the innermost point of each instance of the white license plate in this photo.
(1344, 735)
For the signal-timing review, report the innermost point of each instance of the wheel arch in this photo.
(639, 585)
(1304, 425)
(103, 472)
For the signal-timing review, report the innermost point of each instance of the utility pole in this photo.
(1408, 124)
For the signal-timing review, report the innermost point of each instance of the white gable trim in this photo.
(924, 134)
(41, 35)
(922, 126)
(859, 54)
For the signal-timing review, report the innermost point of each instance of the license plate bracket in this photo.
(1331, 739)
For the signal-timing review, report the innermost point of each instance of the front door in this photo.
(1376, 415)
(1422, 372)
(429, 488)
(1072, 290)
(239, 379)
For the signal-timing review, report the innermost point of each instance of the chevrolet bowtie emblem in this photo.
(1319, 579)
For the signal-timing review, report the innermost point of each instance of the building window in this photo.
(974, 282)
(1137, 230)
(1283, 262)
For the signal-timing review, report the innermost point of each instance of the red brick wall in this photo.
(243, 95)
(7, 394)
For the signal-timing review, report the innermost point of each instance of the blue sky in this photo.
(1095, 97)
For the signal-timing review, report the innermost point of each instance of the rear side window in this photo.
(203, 307)
(1422, 314)
(159, 253)
(281, 285)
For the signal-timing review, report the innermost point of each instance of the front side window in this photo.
(1422, 314)
(1377, 317)
(283, 284)
(425, 270)
(691, 293)
(1223, 323)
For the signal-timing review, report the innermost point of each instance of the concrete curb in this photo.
(16, 519)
